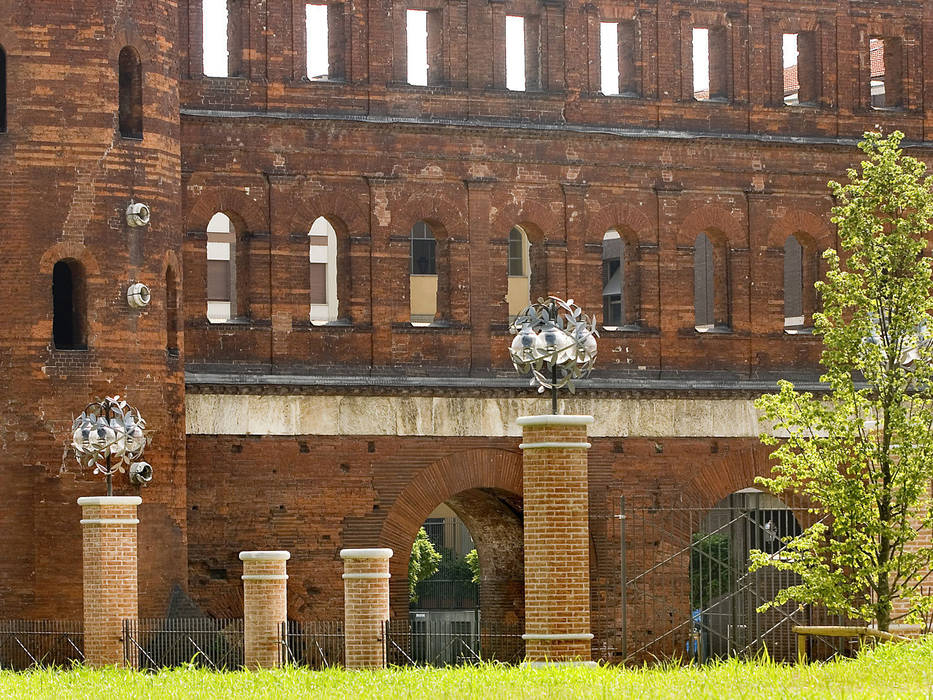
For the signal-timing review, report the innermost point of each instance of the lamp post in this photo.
(108, 434)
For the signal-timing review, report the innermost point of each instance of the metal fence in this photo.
(26, 643)
(161, 643)
(313, 644)
(452, 643)
(440, 594)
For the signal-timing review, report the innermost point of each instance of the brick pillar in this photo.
(110, 575)
(366, 605)
(557, 548)
(264, 607)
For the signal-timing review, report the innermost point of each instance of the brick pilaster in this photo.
(110, 575)
(366, 605)
(557, 548)
(264, 607)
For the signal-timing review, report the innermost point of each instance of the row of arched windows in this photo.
(621, 289)
(130, 86)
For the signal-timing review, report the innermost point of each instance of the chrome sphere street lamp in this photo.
(108, 434)
(556, 342)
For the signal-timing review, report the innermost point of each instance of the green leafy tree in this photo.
(422, 564)
(862, 454)
(472, 560)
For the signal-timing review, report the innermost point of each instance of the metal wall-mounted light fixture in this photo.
(138, 295)
(137, 214)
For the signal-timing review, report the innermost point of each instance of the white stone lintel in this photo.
(559, 637)
(554, 445)
(375, 553)
(367, 575)
(265, 555)
(264, 577)
(551, 419)
(110, 521)
(109, 501)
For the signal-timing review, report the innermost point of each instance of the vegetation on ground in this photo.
(862, 454)
(889, 671)
(422, 564)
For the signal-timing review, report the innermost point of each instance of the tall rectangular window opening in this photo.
(518, 293)
(701, 63)
(808, 68)
(704, 284)
(317, 51)
(609, 58)
(613, 279)
(791, 69)
(69, 306)
(423, 274)
(215, 24)
(514, 53)
(130, 83)
(886, 81)
(322, 256)
(221, 270)
(417, 28)
(793, 284)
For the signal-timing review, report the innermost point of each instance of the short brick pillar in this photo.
(265, 607)
(111, 588)
(557, 547)
(366, 605)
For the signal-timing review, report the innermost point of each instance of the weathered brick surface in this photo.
(264, 607)
(110, 578)
(366, 606)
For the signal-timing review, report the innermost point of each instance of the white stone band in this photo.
(554, 445)
(264, 577)
(368, 575)
(559, 637)
(109, 501)
(110, 521)
(546, 664)
(269, 555)
(550, 419)
(375, 553)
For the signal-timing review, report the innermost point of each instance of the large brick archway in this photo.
(483, 487)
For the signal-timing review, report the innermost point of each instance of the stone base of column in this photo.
(557, 547)
(111, 589)
(366, 606)
(265, 607)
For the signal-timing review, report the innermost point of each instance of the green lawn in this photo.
(904, 670)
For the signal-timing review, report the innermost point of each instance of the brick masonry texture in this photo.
(366, 608)
(264, 611)
(274, 151)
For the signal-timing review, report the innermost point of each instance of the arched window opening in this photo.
(222, 40)
(131, 94)
(69, 306)
(2, 90)
(221, 269)
(518, 295)
(800, 272)
(620, 281)
(323, 271)
(171, 313)
(423, 274)
(710, 285)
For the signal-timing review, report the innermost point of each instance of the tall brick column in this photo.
(366, 605)
(110, 575)
(557, 548)
(265, 606)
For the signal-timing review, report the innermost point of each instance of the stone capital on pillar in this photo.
(265, 606)
(111, 587)
(366, 605)
(557, 548)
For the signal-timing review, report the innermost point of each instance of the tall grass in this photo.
(891, 671)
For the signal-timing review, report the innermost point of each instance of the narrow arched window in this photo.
(69, 307)
(710, 286)
(423, 274)
(323, 271)
(518, 295)
(131, 94)
(614, 279)
(2, 90)
(221, 269)
(171, 312)
(793, 283)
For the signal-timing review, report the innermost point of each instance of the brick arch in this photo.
(344, 214)
(229, 201)
(128, 36)
(543, 222)
(485, 469)
(68, 250)
(437, 210)
(619, 216)
(717, 478)
(170, 260)
(716, 222)
(798, 221)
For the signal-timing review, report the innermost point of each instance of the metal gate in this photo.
(688, 593)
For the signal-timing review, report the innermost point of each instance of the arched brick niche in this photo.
(483, 487)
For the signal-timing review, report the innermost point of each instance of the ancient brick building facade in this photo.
(276, 428)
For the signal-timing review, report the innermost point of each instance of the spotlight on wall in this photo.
(138, 295)
(140, 473)
(137, 214)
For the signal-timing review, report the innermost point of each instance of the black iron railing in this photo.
(163, 643)
(452, 642)
(314, 644)
(27, 643)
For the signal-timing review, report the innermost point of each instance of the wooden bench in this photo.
(803, 631)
